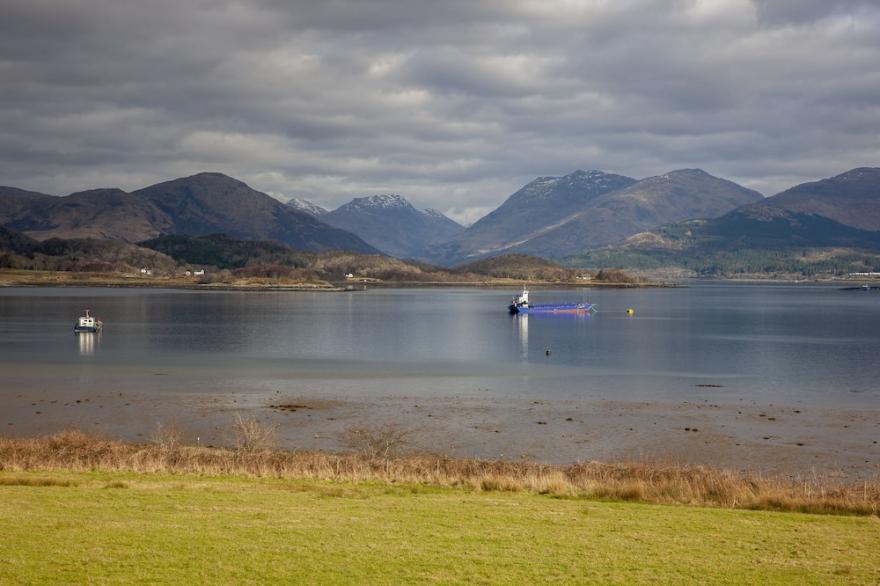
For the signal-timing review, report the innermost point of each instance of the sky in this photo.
(454, 104)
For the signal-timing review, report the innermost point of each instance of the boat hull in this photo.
(86, 329)
(552, 308)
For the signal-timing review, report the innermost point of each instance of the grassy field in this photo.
(100, 527)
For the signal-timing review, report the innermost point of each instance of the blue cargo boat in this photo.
(521, 305)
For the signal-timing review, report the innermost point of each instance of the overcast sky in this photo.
(455, 103)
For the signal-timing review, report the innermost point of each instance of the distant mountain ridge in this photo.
(850, 199)
(681, 217)
(558, 216)
(205, 203)
(210, 203)
(109, 214)
(393, 225)
(17, 204)
(651, 202)
(529, 211)
(841, 212)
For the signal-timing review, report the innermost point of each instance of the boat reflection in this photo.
(87, 343)
(523, 330)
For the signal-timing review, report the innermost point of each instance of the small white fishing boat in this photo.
(87, 324)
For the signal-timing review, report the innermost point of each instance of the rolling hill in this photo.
(78, 255)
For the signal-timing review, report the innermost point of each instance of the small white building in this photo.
(199, 273)
(146, 271)
(349, 276)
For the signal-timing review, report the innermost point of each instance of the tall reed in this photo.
(630, 481)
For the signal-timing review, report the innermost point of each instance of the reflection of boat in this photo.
(521, 305)
(87, 344)
(87, 324)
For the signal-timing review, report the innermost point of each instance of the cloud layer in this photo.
(454, 104)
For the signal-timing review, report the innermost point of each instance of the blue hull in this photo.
(553, 308)
(85, 330)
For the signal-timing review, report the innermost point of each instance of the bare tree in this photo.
(168, 438)
(378, 441)
(252, 435)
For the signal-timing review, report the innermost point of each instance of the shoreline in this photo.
(22, 278)
(373, 455)
(786, 440)
(61, 279)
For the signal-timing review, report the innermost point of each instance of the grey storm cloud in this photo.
(454, 104)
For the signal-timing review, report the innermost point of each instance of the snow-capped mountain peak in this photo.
(306, 206)
(395, 226)
(381, 201)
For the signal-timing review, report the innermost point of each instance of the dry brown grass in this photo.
(645, 482)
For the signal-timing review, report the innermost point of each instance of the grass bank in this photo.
(374, 460)
(102, 527)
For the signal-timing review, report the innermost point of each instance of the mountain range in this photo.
(205, 203)
(559, 216)
(840, 214)
(591, 219)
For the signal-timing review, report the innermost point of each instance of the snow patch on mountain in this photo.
(306, 206)
(381, 201)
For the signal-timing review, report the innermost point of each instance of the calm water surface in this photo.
(809, 344)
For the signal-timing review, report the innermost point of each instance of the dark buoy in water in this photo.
(547, 352)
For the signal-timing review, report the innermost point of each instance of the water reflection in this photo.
(87, 342)
(523, 325)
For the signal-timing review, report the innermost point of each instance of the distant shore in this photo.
(26, 278)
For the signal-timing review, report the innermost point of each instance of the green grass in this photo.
(106, 527)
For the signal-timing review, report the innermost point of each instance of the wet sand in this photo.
(774, 439)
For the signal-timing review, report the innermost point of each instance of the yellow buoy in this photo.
(630, 311)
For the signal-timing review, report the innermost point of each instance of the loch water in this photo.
(791, 344)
